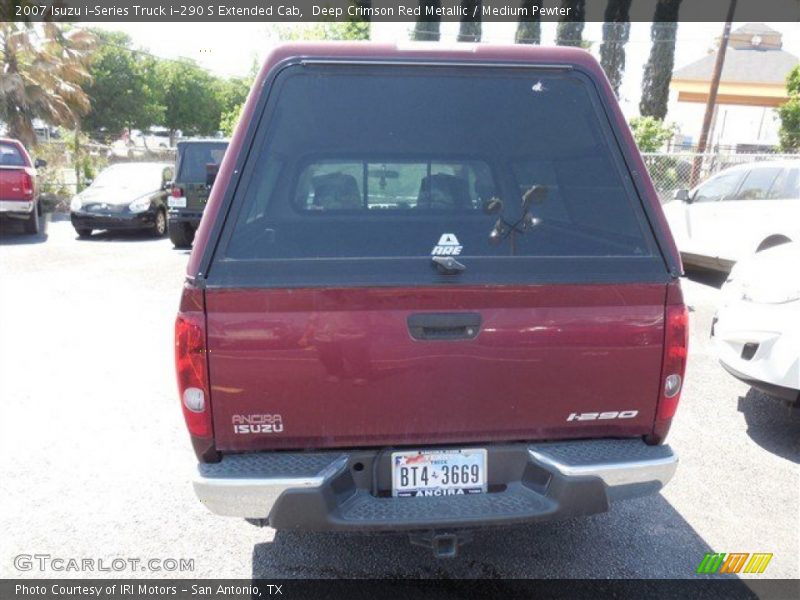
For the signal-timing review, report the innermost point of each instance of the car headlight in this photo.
(771, 294)
(140, 204)
(76, 203)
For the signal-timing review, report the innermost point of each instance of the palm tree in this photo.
(42, 67)
(570, 29)
(616, 30)
(427, 27)
(529, 28)
(658, 70)
(470, 28)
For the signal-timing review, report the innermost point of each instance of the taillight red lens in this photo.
(676, 349)
(27, 185)
(192, 371)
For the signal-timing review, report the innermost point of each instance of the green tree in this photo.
(789, 113)
(427, 26)
(229, 120)
(232, 95)
(233, 92)
(470, 28)
(352, 29)
(529, 28)
(570, 28)
(616, 30)
(43, 67)
(658, 70)
(323, 30)
(187, 94)
(651, 133)
(123, 87)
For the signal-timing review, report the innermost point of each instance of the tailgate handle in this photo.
(444, 326)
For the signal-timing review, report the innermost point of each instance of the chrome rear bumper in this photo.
(335, 490)
(22, 207)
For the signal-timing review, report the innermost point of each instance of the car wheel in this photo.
(160, 224)
(83, 232)
(181, 235)
(32, 225)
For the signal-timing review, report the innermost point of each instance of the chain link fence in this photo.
(673, 171)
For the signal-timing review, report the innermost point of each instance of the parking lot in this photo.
(97, 462)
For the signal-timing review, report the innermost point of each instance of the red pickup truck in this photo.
(432, 290)
(19, 197)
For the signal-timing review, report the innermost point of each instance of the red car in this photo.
(19, 196)
(432, 290)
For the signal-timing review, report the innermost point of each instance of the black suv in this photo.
(196, 166)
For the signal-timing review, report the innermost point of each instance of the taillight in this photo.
(27, 184)
(177, 192)
(676, 347)
(192, 371)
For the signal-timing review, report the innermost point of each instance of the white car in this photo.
(756, 331)
(740, 211)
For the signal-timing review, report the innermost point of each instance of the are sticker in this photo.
(448, 246)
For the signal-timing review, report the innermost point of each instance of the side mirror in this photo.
(39, 163)
(211, 174)
(88, 182)
(682, 195)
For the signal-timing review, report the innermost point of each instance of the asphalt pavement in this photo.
(97, 463)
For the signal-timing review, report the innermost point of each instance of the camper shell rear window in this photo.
(360, 174)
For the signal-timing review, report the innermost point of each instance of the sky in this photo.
(229, 49)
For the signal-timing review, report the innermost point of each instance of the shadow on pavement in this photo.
(57, 217)
(644, 538)
(125, 236)
(12, 233)
(772, 424)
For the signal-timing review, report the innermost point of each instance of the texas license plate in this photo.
(176, 202)
(439, 472)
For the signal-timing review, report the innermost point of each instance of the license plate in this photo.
(179, 202)
(438, 472)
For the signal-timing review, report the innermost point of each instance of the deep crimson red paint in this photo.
(341, 369)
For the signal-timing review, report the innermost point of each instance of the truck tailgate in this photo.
(320, 368)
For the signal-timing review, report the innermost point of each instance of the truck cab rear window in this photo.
(376, 162)
(390, 185)
(10, 156)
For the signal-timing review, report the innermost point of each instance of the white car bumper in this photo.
(760, 344)
(16, 206)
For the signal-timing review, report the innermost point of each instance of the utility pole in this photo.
(712, 94)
